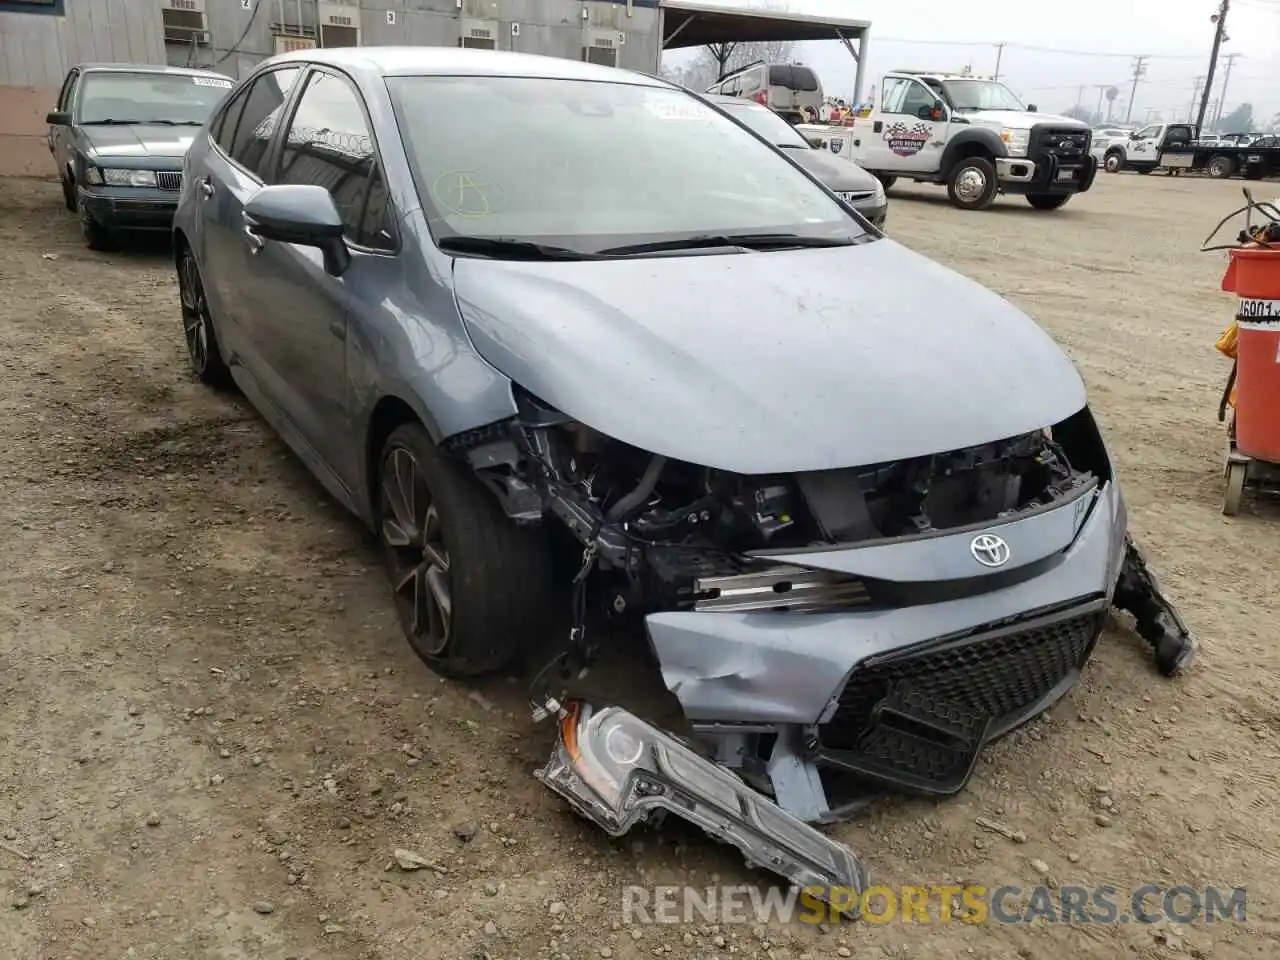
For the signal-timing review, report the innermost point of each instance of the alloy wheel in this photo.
(413, 536)
(195, 313)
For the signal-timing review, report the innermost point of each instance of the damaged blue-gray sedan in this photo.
(503, 304)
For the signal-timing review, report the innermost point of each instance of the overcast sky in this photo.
(1176, 34)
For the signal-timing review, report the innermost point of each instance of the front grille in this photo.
(918, 720)
(849, 197)
(169, 179)
(1068, 145)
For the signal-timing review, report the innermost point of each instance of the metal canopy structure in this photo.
(696, 23)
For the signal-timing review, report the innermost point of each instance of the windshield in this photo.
(981, 95)
(767, 123)
(589, 165)
(149, 97)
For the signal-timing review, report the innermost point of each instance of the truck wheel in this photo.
(1113, 162)
(886, 181)
(972, 184)
(1220, 167)
(1048, 201)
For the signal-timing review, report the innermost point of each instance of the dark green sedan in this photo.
(118, 137)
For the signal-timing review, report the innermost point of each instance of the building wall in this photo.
(37, 49)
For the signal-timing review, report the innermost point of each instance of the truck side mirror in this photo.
(1032, 108)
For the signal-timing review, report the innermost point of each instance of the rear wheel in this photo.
(197, 325)
(886, 180)
(470, 587)
(972, 184)
(1048, 201)
(1220, 167)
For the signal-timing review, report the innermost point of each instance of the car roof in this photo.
(462, 61)
(148, 68)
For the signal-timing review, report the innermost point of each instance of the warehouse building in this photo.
(40, 40)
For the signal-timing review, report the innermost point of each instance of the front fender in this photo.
(962, 143)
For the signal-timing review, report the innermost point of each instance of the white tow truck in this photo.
(968, 133)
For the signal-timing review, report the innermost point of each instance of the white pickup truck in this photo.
(968, 133)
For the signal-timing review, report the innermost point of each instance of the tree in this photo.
(724, 58)
(1239, 120)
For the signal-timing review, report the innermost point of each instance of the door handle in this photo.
(206, 186)
(256, 243)
(877, 126)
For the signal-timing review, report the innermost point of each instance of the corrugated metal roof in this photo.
(696, 22)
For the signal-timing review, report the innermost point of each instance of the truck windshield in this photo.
(587, 166)
(981, 95)
(150, 97)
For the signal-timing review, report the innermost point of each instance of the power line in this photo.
(1035, 48)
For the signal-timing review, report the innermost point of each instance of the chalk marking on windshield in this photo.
(460, 193)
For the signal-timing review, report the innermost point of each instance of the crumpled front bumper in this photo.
(809, 698)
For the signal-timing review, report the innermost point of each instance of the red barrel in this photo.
(1254, 276)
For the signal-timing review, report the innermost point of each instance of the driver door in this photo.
(1145, 146)
(908, 134)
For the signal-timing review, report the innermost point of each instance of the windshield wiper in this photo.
(750, 241)
(112, 121)
(508, 248)
(793, 146)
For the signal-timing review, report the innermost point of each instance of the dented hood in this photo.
(773, 361)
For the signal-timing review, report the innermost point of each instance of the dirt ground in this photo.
(212, 737)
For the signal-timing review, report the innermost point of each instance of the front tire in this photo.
(96, 236)
(1113, 162)
(68, 193)
(972, 184)
(470, 586)
(203, 349)
(1048, 201)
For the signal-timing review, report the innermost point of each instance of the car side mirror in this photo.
(303, 214)
(58, 118)
(1032, 108)
(815, 142)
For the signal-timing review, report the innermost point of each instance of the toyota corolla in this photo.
(498, 302)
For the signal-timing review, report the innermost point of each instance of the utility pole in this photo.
(1219, 18)
(1079, 98)
(1195, 94)
(1226, 78)
(1139, 71)
(999, 57)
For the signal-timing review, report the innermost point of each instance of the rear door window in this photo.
(782, 77)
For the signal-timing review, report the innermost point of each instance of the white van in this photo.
(785, 88)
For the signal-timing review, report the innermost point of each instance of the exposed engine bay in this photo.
(676, 536)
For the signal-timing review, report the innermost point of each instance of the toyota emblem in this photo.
(989, 550)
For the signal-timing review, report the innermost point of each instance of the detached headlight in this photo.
(1017, 141)
(616, 770)
(122, 178)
